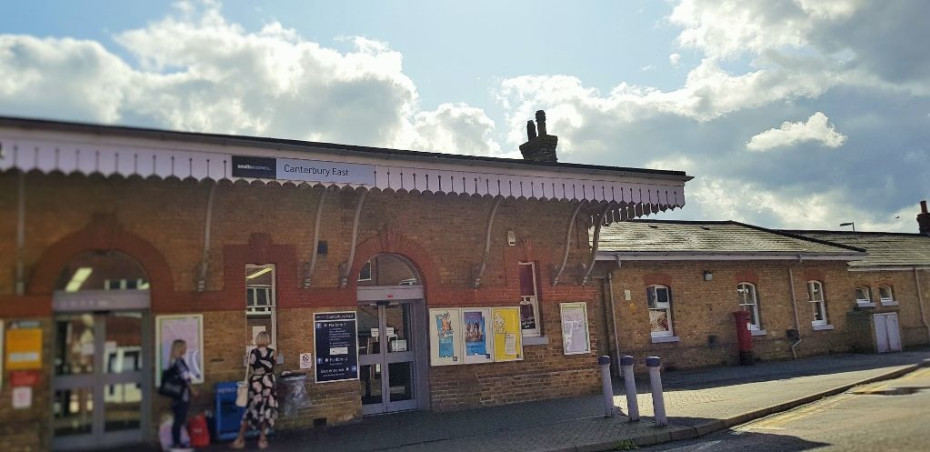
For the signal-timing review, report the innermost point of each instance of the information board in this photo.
(336, 345)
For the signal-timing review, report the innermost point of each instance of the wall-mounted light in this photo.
(708, 275)
(511, 238)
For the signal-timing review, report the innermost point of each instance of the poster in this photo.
(575, 340)
(477, 339)
(188, 327)
(336, 346)
(507, 334)
(445, 336)
(23, 348)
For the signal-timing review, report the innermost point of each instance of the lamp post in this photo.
(851, 223)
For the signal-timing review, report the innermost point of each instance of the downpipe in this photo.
(794, 305)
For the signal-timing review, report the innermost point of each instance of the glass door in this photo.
(387, 357)
(99, 394)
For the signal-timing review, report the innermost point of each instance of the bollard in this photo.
(632, 406)
(604, 362)
(655, 380)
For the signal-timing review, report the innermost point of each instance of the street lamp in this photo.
(851, 223)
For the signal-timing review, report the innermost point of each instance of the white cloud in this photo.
(817, 128)
(197, 71)
(674, 59)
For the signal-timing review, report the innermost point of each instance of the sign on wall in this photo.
(575, 339)
(187, 327)
(302, 170)
(478, 340)
(23, 348)
(336, 345)
(508, 336)
(445, 337)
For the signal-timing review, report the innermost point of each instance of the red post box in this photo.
(743, 338)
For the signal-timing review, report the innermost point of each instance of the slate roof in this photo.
(641, 237)
(885, 249)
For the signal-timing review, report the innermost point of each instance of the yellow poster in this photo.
(23, 349)
(508, 336)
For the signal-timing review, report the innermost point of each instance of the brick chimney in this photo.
(923, 219)
(539, 148)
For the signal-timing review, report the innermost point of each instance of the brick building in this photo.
(673, 287)
(115, 240)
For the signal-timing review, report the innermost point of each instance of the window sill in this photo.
(890, 303)
(665, 339)
(822, 327)
(535, 340)
(865, 305)
(758, 332)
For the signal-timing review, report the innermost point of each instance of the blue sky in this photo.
(788, 113)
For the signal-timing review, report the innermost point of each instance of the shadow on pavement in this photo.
(730, 440)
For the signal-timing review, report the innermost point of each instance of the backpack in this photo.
(172, 385)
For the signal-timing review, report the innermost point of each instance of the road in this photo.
(888, 416)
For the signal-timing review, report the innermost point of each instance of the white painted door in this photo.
(887, 333)
(881, 333)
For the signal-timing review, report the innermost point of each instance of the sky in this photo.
(799, 114)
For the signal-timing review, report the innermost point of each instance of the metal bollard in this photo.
(604, 362)
(655, 380)
(632, 406)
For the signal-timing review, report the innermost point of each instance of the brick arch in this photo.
(393, 243)
(103, 233)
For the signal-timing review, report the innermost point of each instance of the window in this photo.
(529, 299)
(818, 304)
(260, 300)
(864, 296)
(365, 273)
(746, 293)
(886, 295)
(660, 311)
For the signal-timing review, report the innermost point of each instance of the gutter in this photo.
(750, 256)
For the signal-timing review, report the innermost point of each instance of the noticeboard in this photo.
(336, 345)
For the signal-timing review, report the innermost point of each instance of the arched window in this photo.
(102, 270)
(886, 295)
(659, 299)
(818, 303)
(748, 301)
(863, 296)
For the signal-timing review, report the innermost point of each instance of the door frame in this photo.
(383, 296)
(99, 303)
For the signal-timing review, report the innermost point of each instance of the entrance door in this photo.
(887, 332)
(387, 359)
(100, 393)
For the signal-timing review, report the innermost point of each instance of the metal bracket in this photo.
(205, 258)
(479, 271)
(568, 242)
(346, 266)
(316, 240)
(596, 242)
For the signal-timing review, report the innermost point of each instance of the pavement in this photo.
(697, 402)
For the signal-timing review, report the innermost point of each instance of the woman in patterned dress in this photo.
(262, 409)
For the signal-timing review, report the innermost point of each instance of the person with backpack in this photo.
(179, 372)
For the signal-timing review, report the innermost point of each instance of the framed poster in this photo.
(575, 339)
(188, 327)
(507, 334)
(445, 339)
(23, 347)
(479, 343)
(335, 337)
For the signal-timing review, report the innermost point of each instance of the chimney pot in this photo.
(530, 131)
(541, 122)
(923, 206)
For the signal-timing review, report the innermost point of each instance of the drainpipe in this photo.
(20, 287)
(920, 303)
(613, 316)
(794, 305)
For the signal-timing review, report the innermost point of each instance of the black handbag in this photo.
(172, 385)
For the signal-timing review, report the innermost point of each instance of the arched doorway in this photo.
(392, 338)
(101, 373)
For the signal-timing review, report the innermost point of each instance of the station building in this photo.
(394, 280)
